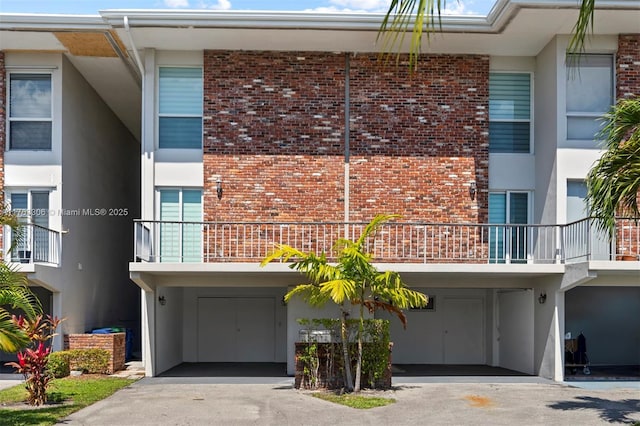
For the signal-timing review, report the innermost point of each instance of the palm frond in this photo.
(582, 28)
(309, 292)
(423, 14)
(340, 290)
(613, 183)
(373, 305)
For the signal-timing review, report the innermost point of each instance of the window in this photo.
(589, 95)
(511, 209)
(32, 209)
(181, 230)
(30, 111)
(180, 108)
(510, 112)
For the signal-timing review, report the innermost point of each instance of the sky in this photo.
(91, 7)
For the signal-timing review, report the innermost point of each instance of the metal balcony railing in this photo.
(204, 242)
(34, 244)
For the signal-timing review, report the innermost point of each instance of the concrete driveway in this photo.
(198, 401)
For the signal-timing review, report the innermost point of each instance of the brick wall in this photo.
(628, 66)
(274, 133)
(419, 140)
(113, 343)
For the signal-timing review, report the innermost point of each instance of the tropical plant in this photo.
(423, 17)
(613, 183)
(352, 279)
(15, 295)
(32, 362)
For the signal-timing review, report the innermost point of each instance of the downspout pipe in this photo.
(347, 148)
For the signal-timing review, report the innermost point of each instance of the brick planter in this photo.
(114, 343)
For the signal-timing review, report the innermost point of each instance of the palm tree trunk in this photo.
(348, 380)
(357, 386)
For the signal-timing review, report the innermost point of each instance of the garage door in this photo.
(236, 329)
(463, 331)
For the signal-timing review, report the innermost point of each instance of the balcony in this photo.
(419, 243)
(36, 244)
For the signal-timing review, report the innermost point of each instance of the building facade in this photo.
(264, 128)
(69, 168)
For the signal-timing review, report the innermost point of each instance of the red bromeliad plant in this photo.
(32, 362)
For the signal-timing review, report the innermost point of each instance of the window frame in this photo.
(570, 70)
(516, 120)
(173, 115)
(507, 194)
(181, 235)
(8, 193)
(10, 119)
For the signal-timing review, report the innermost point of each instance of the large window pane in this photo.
(180, 97)
(589, 93)
(170, 232)
(30, 135)
(30, 111)
(509, 112)
(180, 132)
(509, 137)
(180, 91)
(497, 215)
(509, 96)
(30, 96)
(192, 233)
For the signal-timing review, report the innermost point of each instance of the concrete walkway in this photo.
(10, 380)
(191, 401)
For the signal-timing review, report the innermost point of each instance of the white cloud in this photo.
(454, 7)
(176, 3)
(218, 5)
(362, 5)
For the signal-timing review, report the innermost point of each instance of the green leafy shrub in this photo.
(59, 364)
(91, 361)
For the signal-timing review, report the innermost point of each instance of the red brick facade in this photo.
(628, 66)
(274, 133)
(417, 141)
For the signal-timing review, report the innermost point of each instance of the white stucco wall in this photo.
(168, 328)
(100, 171)
(548, 329)
(546, 133)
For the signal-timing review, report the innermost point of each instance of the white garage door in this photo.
(463, 331)
(236, 329)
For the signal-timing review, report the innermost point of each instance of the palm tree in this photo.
(613, 184)
(423, 17)
(14, 295)
(354, 279)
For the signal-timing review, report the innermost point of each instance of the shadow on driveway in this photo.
(610, 411)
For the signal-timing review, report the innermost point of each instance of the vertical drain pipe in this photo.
(347, 129)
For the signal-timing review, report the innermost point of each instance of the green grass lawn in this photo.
(355, 401)
(66, 396)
